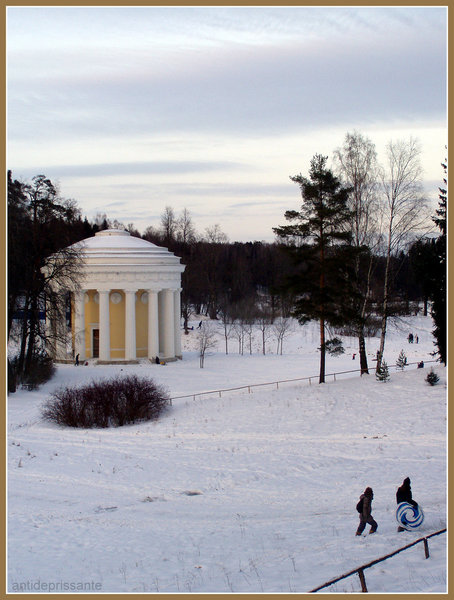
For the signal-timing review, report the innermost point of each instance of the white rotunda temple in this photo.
(126, 305)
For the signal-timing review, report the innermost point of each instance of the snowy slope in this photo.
(247, 492)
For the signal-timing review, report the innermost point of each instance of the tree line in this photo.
(353, 256)
(352, 221)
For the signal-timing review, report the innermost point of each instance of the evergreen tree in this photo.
(401, 361)
(382, 372)
(45, 225)
(432, 378)
(422, 255)
(319, 242)
(439, 289)
(19, 235)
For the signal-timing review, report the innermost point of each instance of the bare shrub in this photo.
(107, 403)
(41, 369)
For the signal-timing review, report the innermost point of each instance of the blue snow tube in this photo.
(408, 516)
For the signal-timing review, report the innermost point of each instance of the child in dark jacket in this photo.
(365, 516)
(404, 494)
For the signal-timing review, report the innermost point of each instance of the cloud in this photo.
(241, 88)
(174, 167)
(136, 108)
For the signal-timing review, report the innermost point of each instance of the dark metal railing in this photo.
(360, 570)
(277, 383)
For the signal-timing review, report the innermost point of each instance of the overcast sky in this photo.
(132, 109)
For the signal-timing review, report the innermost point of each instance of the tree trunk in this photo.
(322, 351)
(384, 320)
(362, 353)
(24, 338)
(361, 338)
(34, 323)
(12, 307)
(11, 378)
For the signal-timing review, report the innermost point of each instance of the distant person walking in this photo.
(410, 338)
(364, 507)
(77, 360)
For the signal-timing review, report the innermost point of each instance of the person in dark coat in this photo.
(77, 360)
(404, 494)
(366, 515)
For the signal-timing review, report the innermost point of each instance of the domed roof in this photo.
(119, 247)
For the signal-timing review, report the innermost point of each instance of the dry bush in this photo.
(107, 403)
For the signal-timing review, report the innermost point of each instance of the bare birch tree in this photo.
(206, 338)
(281, 327)
(356, 163)
(185, 231)
(168, 225)
(404, 210)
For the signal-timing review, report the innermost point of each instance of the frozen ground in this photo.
(247, 492)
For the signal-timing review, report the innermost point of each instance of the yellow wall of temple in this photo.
(117, 325)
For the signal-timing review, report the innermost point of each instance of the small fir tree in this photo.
(432, 378)
(382, 373)
(401, 361)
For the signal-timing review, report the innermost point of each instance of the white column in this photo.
(161, 321)
(104, 325)
(177, 305)
(169, 324)
(130, 325)
(153, 324)
(79, 324)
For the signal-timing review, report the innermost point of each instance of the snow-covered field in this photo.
(238, 492)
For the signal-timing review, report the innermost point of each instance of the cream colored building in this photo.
(126, 305)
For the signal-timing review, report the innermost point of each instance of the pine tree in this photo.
(319, 242)
(438, 311)
(401, 361)
(382, 372)
(432, 378)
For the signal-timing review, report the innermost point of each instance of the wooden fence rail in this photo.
(360, 570)
(276, 383)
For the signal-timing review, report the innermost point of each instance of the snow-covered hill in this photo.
(243, 492)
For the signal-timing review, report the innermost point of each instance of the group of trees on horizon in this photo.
(357, 253)
(350, 222)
